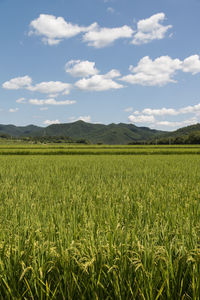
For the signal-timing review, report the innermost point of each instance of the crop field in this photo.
(74, 149)
(99, 226)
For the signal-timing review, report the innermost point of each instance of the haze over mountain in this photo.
(96, 133)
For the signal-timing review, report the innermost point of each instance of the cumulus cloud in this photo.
(194, 109)
(100, 82)
(160, 112)
(191, 109)
(101, 37)
(41, 102)
(148, 115)
(21, 100)
(51, 87)
(78, 68)
(13, 110)
(141, 119)
(54, 29)
(17, 83)
(50, 122)
(191, 64)
(187, 122)
(128, 109)
(153, 72)
(150, 29)
(145, 119)
(160, 71)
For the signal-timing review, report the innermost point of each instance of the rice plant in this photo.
(100, 227)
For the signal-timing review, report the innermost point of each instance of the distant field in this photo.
(100, 227)
(74, 149)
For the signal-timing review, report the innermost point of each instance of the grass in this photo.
(99, 227)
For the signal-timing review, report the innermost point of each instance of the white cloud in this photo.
(13, 110)
(85, 118)
(101, 37)
(136, 112)
(100, 82)
(17, 83)
(51, 102)
(54, 29)
(160, 71)
(78, 68)
(50, 122)
(177, 124)
(152, 73)
(112, 74)
(150, 29)
(21, 100)
(146, 119)
(82, 118)
(147, 116)
(191, 64)
(110, 10)
(192, 109)
(160, 112)
(128, 109)
(51, 87)
(141, 119)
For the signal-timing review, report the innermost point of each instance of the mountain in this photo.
(18, 131)
(185, 130)
(97, 133)
(186, 135)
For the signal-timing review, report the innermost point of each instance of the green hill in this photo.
(99, 133)
(95, 133)
(186, 130)
(18, 131)
(185, 135)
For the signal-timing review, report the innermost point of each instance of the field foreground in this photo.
(100, 227)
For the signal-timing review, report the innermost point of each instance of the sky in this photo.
(100, 61)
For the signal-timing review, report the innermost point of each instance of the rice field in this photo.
(74, 149)
(99, 226)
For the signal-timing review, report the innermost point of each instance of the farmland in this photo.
(103, 225)
(74, 149)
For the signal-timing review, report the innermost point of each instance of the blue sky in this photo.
(102, 61)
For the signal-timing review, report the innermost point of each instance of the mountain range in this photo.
(96, 133)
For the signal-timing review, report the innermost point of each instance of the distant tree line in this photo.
(46, 139)
(4, 136)
(192, 138)
(185, 139)
(55, 139)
